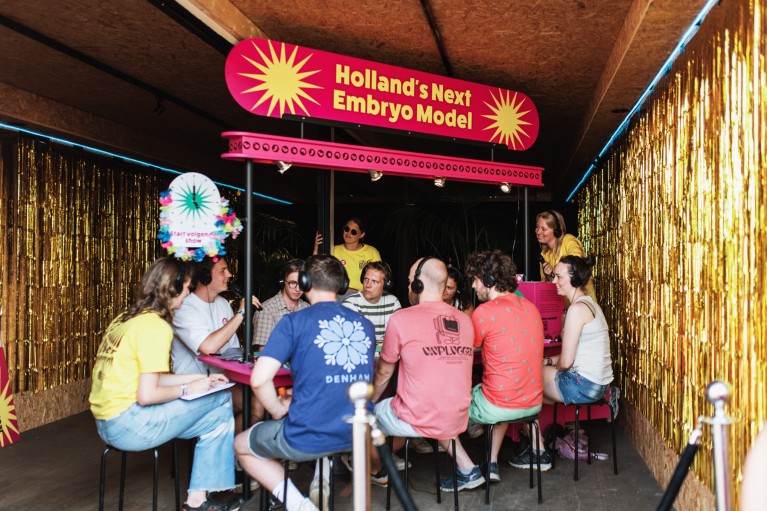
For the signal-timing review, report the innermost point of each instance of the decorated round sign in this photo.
(194, 209)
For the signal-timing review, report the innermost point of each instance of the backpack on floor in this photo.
(565, 446)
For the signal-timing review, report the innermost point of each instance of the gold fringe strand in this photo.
(78, 234)
(677, 220)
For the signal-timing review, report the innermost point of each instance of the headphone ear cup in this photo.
(387, 284)
(304, 281)
(488, 280)
(205, 277)
(344, 283)
(557, 233)
(281, 282)
(416, 286)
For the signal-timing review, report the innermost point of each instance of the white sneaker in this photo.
(307, 505)
(314, 493)
(400, 462)
(475, 430)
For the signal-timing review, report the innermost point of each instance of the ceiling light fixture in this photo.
(439, 182)
(664, 70)
(375, 175)
(283, 166)
(505, 187)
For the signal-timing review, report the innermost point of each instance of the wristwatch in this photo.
(241, 313)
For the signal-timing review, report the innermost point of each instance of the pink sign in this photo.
(273, 79)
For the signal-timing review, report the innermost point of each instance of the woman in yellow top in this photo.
(135, 400)
(353, 253)
(555, 244)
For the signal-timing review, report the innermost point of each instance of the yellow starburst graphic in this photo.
(281, 79)
(507, 119)
(8, 421)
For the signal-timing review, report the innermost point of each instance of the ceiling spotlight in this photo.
(439, 182)
(505, 187)
(375, 175)
(283, 166)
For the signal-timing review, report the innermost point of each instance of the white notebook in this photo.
(211, 390)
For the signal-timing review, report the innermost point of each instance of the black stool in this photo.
(102, 481)
(599, 402)
(434, 444)
(530, 420)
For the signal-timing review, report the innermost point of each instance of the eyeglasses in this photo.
(292, 284)
(348, 229)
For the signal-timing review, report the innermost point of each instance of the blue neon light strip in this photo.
(665, 68)
(129, 159)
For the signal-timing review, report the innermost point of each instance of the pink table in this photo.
(240, 371)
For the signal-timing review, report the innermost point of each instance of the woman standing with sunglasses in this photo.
(353, 253)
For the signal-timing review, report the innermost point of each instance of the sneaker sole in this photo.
(545, 467)
(467, 486)
(495, 478)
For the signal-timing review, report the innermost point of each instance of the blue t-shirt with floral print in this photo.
(329, 347)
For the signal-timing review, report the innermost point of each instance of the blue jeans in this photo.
(578, 390)
(209, 418)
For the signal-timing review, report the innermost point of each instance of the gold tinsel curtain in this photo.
(676, 217)
(77, 233)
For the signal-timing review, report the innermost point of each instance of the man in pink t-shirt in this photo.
(509, 330)
(433, 343)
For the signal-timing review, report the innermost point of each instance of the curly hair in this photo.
(496, 264)
(159, 286)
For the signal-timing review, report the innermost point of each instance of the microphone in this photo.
(235, 288)
(541, 259)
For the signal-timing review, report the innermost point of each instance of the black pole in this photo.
(680, 472)
(248, 309)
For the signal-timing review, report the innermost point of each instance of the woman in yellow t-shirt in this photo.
(555, 244)
(353, 253)
(135, 400)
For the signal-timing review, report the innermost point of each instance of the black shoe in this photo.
(522, 460)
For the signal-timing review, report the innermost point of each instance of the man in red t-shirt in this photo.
(509, 331)
(432, 341)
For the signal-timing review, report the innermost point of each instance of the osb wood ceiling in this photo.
(132, 76)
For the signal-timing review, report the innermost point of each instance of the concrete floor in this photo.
(57, 467)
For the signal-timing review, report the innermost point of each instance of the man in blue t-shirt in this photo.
(328, 347)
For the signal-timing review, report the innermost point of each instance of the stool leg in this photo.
(155, 476)
(122, 480)
(174, 461)
(390, 444)
(553, 454)
(331, 500)
(577, 429)
(102, 479)
(533, 454)
(286, 464)
(455, 476)
(588, 435)
(612, 430)
(436, 469)
(322, 465)
(488, 448)
(534, 425)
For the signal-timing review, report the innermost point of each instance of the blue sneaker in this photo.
(493, 473)
(465, 482)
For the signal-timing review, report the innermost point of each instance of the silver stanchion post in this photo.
(718, 394)
(359, 394)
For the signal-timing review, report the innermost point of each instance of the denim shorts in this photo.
(577, 390)
(267, 440)
(390, 424)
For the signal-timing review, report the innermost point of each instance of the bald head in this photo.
(433, 275)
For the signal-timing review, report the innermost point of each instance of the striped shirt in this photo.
(378, 313)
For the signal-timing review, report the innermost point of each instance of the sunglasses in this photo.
(348, 229)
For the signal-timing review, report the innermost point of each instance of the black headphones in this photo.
(557, 228)
(178, 284)
(487, 278)
(284, 271)
(387, 285)
(417, 285)
(204, 272)
(305, 280)
(575, 279)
